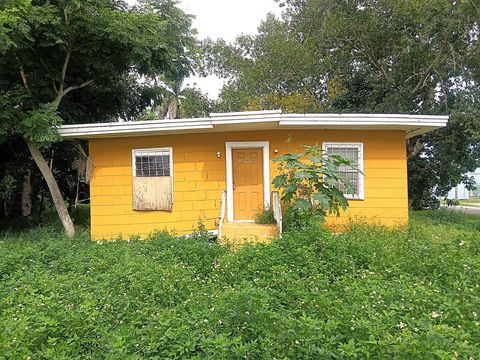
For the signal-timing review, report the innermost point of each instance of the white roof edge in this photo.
(246, 121)
(246, 113)
(163, 122)
(346, 122)
(367, 115)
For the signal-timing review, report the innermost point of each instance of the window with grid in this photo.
(152, 163)
(354, 173)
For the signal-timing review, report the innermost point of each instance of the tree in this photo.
(272, 65)
(195, 104)
(171, 106)
(294, 103)
(188, 102)
(388, 56)
(182, 102)
(56, 56)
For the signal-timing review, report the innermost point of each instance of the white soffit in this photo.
(258, 120)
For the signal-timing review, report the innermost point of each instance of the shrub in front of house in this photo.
(313, 185)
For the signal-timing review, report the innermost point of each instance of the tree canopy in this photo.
(65, 61)
(388, 56)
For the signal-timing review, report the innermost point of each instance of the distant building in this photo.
(460, 192)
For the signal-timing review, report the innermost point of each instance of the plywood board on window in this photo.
(152, 193)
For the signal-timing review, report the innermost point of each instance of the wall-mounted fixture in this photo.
(219, 154)
(275, 151)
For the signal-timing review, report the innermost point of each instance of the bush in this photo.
(370, 292)
(425, 201)
(265, 216)
(311, 183)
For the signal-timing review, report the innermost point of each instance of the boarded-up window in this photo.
(152, 179)
(354, 153)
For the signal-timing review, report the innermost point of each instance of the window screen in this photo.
(353, 153)
(152, 163)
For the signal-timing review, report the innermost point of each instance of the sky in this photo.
(224, 19)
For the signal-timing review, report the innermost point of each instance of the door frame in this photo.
(229, 146)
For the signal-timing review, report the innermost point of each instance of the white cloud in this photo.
(224, 19)
(227, 19)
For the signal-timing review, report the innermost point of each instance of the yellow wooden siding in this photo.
(199, 178)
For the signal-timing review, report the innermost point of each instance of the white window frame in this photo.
(162, 150)
(229, 146)
(361, 175)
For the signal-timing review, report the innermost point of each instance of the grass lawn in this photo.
(468, 203)
(473, 201)
(370, 292)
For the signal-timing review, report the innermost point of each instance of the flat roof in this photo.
(413, 125)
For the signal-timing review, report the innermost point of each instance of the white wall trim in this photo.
(361, 176)
(229, 146)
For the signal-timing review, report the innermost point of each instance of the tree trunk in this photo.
(6, 209)
(27, 195)
(53, 187)
(173, 111)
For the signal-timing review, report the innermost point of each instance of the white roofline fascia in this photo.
(246, 113)
(359, 115)
(409, 123)
(359, 123)
(139, 123)
(72, 132)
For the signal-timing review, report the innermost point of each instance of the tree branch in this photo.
(55, 87)
(421, 83)
(22, 73)
(438, 59)
(64, 69)
(75, 87)
(370, 54)
(414, 147)
(62, 93)
(442, 85)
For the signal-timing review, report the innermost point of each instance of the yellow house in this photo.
(168, 174)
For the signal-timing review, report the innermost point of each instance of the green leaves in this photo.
(88, 56)
(40, 125)
(370, 292)
(329, 56)
(13, 26)
(310, 182)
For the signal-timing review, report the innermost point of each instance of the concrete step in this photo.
(243, 232)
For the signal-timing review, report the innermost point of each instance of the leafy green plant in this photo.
(200, 230)
(310, 183)
(371, 292)
(43, 66)
(265, 216)
(7, 189)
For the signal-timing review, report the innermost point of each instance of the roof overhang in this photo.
(413, 125)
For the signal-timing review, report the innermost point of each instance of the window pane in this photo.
(152, 164)
(352, 154)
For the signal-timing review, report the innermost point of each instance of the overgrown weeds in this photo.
(370, 292)
(265, 216)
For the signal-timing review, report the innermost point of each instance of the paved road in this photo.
(466, 209)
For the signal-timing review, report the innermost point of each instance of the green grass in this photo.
(473, 201)
(469, 203)
(370, 292)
